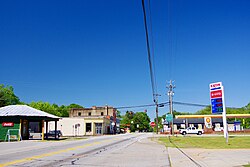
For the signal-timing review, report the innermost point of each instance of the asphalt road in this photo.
(115, 150)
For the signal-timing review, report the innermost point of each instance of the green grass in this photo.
(239, 142)
(247, 165)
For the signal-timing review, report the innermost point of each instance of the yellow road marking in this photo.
(50, 154)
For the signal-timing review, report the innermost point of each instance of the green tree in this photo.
(136, 121)
(206, 110)
(45, 106)
(126, 119)
(7, 96)
(140, 122)
(73, 105)
(180, 113)
(118, 114)
(61, 111)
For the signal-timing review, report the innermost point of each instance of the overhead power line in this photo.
(152, 77)
(163, 104)
(139, 106)
(190, 104)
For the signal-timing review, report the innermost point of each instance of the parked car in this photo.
(52, 133)
(191, 130)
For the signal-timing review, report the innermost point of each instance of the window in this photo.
(101, 113)
(89, 113)
(88, 127)
(79, 114)
(34, 127)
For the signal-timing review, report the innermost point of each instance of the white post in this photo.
(224, 115)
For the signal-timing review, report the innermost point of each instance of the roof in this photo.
(24, 110)
(194, 120)
(214, 116)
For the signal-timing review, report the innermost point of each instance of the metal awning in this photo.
(25, 111)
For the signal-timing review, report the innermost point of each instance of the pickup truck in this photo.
(191, 130)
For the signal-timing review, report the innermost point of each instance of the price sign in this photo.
(216, 93)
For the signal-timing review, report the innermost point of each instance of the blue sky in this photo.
(94, 52)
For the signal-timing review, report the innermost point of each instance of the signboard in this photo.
(214, 86)
(169, 117)
(208, 122)
(152, 124)
(218, 104)
(8, 124)
(216, 93)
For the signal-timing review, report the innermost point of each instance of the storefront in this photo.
(21, 122)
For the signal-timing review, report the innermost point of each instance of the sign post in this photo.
(218, 104)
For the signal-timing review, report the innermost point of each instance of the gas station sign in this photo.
(216, 93)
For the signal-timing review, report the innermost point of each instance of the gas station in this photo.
(22, 122)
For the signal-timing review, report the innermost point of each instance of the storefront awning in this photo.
(25, 111)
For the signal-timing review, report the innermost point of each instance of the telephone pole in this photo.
(170, 96)
(156, 111)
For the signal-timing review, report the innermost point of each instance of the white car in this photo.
(191, 130)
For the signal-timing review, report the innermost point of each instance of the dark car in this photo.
(52, 133)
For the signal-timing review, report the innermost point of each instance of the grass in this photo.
(239, 142)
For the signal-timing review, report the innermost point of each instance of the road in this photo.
(115, 150)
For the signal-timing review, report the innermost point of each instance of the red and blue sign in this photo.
(216, 97)
(217, 105)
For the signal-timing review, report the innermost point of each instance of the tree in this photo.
(118, 114)
(206, 110)
(140, 121)
(46, 107)
(61, 111)
(7, 96)
(73, 105)
(126, 119)
(136, 121)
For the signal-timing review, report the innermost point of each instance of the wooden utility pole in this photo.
(170, 95)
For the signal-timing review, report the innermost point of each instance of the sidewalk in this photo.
(141, 152)
(209, 157)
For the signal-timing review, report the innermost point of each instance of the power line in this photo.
(163, 104)
(152, 78)
(152, 45)
(138, 106)
(190, 104)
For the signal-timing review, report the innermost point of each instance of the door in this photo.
(25, 129)
(98, 128)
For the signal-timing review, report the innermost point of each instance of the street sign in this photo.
(169, 117)
(152, 124)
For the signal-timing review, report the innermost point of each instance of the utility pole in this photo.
(156, 111)
(170, 96)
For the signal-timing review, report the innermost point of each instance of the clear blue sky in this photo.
(94, 52)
